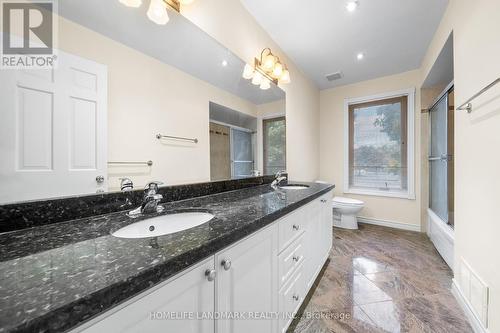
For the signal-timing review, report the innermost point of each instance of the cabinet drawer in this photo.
(291, 297)
(291, 227)
(291, 258)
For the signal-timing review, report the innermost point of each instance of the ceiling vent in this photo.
(334, 76)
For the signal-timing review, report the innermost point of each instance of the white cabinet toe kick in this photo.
(255, 285)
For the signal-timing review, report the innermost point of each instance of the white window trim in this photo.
(410, 193)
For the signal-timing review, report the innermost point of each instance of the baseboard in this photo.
(390, 224)
(476, 324)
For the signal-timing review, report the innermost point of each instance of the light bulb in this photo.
(269, 62)
(351, 6)
(265, 84)
(248, 72)
(157, 12)
(185, 2)
(131, 3)
(257, 78)
(285, 77)
(278, 70)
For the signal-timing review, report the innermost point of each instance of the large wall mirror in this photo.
(172, 107)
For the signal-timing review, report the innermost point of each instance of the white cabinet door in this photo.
(175, 306)
(249, 285)
(313, 242)
(53, 130)
(326, 223)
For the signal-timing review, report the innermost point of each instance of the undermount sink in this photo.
(163, 225)
(294, 187)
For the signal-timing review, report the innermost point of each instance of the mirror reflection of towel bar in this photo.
(161, 136)
(148, 163)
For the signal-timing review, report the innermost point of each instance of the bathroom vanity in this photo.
(246, 270)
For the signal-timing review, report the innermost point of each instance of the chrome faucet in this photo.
(150, 200)
(278, 178)
(126, 185)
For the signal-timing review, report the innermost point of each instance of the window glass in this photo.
(377, 145)
(274, 145)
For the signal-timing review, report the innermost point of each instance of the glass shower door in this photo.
(242, 156)
(438, 159)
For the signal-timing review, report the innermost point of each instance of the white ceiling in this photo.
(322, 37)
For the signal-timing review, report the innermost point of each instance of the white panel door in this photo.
(183, 304)
(250, 284)
(53, 131)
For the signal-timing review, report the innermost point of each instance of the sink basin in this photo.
(294, 187)
(163, 225)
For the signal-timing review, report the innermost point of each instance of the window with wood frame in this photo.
(378, 145)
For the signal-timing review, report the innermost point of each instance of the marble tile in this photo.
(388, 280)
(392, 317)
(405, 283)
(438, 313)
(350, 319)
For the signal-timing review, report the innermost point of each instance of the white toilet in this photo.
(345, 211)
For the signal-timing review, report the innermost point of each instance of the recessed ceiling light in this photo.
(351, 6)
(224, 63)
(360, 56)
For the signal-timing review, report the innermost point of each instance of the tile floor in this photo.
(382, 280)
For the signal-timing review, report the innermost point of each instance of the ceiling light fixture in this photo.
(352, 6)
(157, 11)
(360, 56)
(267, 69)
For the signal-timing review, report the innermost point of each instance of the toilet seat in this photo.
(341, 201)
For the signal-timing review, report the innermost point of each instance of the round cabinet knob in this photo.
(296, 227)
(323, 200)
(210, 274)
(296, 258)
(226, 263)
(296, 298)
(99, 179)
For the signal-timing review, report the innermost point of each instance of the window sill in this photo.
(389, 194)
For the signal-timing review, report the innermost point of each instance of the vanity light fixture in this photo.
(157, 11)
(352, 5)
(267, 69)
(132, 3)
(265, 84)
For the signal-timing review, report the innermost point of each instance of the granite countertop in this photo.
(56, 276)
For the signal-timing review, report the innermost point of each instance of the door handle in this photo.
(443, 157)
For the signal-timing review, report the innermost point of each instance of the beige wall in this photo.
(230, 23)
(332, 145)
(476, 32)
(145, 97)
